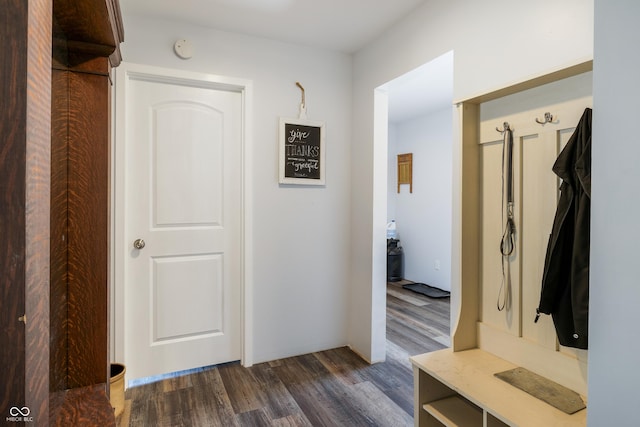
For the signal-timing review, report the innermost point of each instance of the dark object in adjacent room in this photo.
(427, 290)
(395, 260)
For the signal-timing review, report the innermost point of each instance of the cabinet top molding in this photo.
(92, 27)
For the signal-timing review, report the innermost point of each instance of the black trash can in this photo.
(395, 260)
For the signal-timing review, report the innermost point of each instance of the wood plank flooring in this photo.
(329, 388)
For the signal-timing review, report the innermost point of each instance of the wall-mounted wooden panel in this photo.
(405, 170)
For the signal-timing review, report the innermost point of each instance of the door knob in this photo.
(138, 244)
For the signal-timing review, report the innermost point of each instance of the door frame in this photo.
(122, 76)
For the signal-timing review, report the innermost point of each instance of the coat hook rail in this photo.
(548, 118)
(505, 127)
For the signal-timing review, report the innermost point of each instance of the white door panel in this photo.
(175, 312)
(181, 176)
(184, 188)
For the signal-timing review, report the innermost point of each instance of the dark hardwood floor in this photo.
(329, 388)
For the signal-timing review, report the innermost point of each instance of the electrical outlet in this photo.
(436, 264)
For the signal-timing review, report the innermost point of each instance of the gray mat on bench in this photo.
(554, 394)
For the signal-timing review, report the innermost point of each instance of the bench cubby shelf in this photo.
(460, 389)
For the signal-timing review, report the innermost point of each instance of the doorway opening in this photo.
(419, 124)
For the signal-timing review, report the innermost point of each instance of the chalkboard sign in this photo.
(301, 152)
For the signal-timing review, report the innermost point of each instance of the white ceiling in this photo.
(337, 25)
(420, 92)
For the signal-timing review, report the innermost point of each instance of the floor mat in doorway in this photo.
(427, 290)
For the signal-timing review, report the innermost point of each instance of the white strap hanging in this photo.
(303, 104)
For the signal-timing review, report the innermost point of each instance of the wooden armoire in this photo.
(54, 209)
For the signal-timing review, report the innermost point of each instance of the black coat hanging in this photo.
(565, 280)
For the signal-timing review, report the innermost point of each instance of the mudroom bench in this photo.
(460, 389)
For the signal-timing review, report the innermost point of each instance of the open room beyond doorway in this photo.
(419, 115)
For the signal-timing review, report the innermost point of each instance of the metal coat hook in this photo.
(505, 127)
(548, 118)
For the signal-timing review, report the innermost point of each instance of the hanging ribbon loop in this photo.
(303, 103)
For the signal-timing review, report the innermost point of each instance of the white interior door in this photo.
(183, 185)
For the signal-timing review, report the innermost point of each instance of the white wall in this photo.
(392, 169)
(495, 43)
(301, 248)
(614, 299)
(424, 217)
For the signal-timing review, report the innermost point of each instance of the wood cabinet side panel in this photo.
(37, 208)
(58, 244)
(13, 107)
(88, 229)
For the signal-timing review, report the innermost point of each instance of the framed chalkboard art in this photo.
(302, 152)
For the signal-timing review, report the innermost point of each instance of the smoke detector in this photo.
(183, 48)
